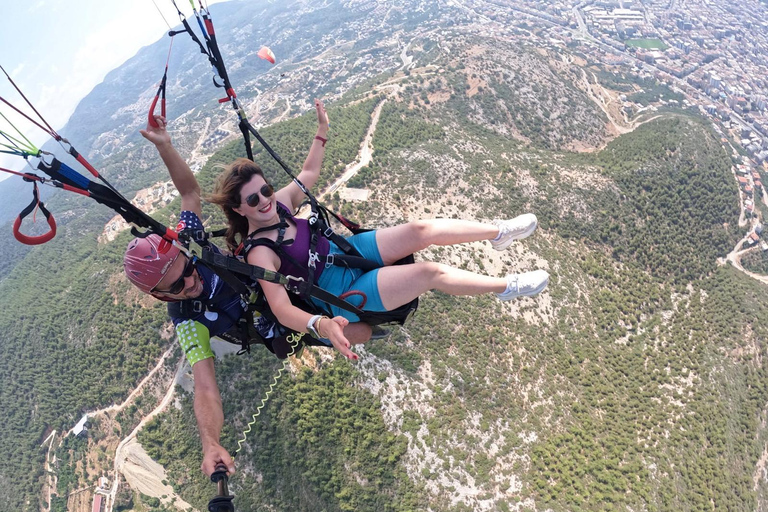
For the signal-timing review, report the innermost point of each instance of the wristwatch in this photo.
(311, 326)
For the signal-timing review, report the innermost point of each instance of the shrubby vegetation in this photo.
(635, 382)
(755, 261)
(673, 195)
(67, 355)
(320, 444)
(654, 92)
(62, 353)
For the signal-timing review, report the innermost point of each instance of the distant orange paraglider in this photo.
(266, 54)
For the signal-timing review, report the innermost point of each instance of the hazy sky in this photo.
(58, 50)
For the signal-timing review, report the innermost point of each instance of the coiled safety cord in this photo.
(294, 340)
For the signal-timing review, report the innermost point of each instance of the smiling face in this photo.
(264, 212)
(193, 285)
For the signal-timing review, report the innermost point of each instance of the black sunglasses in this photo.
(178, 286)
(266, 190)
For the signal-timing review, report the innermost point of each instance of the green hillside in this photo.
(635, 382)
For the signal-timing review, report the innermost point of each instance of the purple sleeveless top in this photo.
(299, 249)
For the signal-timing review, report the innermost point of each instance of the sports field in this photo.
(648, 44)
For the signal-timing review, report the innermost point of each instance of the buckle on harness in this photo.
(312, 218)
(314, 258)
(297, 285)
(328, 232)
(330, 260)
(197, 306)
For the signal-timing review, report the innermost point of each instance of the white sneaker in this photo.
(524, 285)
(514, 229)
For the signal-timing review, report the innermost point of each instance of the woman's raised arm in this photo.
(291, 195)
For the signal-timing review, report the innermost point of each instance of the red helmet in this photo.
(145, 265)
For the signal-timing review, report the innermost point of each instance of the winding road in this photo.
(140, 471)
(734, 257)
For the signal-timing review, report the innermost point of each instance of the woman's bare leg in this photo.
(400, 241)
(400, 284)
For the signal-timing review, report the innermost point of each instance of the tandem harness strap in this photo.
(299, 286)
(307, 288)
(244, 331)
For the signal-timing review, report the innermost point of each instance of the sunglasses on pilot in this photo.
(178, 286)
(253, 199)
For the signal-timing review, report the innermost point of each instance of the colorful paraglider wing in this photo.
(266, 54)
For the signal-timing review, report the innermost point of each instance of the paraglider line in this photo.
(161, 15)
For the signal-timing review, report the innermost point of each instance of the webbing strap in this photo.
(160, 90)
(243, 125)
(232, 280)
(220, 261)
(64, 173)
(299, 286)
(329, 298)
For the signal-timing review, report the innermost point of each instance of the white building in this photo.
(80, 428)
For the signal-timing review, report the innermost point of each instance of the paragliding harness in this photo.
(246, 331)
(350, 259)
(319, 217)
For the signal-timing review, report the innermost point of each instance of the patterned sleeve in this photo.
(195, 340)
(190, 221)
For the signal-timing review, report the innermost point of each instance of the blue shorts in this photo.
(339, 280)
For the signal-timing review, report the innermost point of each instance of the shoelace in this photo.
(516, 280)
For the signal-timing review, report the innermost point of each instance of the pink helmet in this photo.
(145, 265)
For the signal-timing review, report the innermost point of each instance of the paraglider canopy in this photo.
(266, 54)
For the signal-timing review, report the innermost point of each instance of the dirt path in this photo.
(139, 388)
(734, 257)
(742, 216)
(140, 471)
(621, 126)
(197, 156)
(51, 481)
(605, 106)
(285, 113)
(364, 156)
(50, 478)
(407, 59)
(617, 127)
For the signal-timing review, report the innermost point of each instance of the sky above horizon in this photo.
(58, 51)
